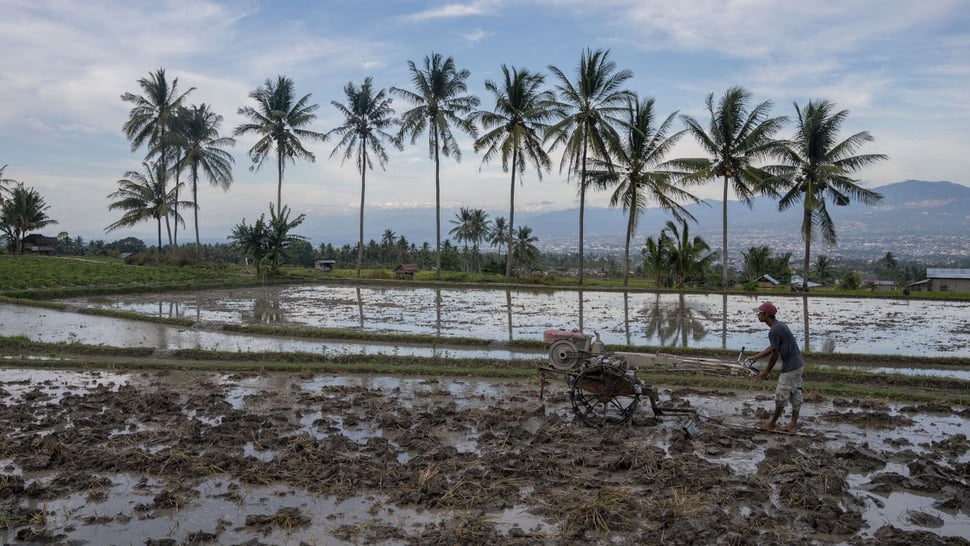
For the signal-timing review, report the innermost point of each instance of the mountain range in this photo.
(913, 218)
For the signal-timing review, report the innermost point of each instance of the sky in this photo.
(901, 69)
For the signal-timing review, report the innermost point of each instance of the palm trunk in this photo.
(195, 208)
(508, 246)
(175, 213)
(437, 205)
(582, 213)
(630, 226)
(724, 237)
(807, 231)
(279, 179)
(158, 255)
(363, 171)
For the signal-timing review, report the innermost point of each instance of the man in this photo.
(782, 344)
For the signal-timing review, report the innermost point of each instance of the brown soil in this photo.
(647, 483)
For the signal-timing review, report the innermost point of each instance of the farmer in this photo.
(782, 345)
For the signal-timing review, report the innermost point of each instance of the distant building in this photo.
(881, 286)
(943, 280)
(39, 244)
(406, 271)
(767, 281)
(797, 283)
(324, 265)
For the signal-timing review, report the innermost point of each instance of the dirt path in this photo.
(205, 458)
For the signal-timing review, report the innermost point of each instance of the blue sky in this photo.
(900, 67)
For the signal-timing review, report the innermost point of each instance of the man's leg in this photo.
(770, 425)
(794, 421)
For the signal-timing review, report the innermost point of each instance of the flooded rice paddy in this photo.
(213, 458)
(823, 324)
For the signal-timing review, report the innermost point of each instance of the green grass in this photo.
(50, 277)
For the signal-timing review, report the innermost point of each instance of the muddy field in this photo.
(172, 458)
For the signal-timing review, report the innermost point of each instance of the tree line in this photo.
(610, 138)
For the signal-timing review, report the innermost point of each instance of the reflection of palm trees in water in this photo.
(267, 308)
(668, 321)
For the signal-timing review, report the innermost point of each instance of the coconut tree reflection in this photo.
(626, 318)
(360, 308)
(724, 320)
(267, 308)
(808, 344)
(508, 310)
(669, 321)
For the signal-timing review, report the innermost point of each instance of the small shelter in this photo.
(406, 271)
(881, 286)
(38, 244)
(324, 265)
(767, 281)
(798, 284)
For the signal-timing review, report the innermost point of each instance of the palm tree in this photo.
(279, 119)
(513, 129)
(151, 113)
(818, 166)
(524, 250)
(252, 241)
(440, 102)
(823, 269)
(890, 261)
(3, 190)
(201, 148)
(735, 139)
(4, 182)
(471, 226)
(656, 258)
(757, 262)
(387, 245)
(637, 170)
(280, 236)
(498, 235)
(366, 116)
(689, 257)
(25, 211)
(154, 114)
(589, 108)
(143, 197)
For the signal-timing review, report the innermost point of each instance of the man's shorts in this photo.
(789, 390)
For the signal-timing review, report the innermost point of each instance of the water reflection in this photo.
(267, 309)
(508, 310)
(626, 317)
(892, 326)
(724, 320)
(360, 308)
(670, 321)
(581, 326)
(805, 314)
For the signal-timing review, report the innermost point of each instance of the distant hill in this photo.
(912, 210)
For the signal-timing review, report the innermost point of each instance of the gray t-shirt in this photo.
(783, 341)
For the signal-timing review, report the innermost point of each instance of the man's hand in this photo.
(761, 376)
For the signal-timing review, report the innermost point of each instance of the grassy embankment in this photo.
(34, 280)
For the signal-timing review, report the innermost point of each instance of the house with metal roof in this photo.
(940, 279)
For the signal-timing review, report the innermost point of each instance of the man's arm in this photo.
(771, 364)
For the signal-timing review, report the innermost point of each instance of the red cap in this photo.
(767, 307)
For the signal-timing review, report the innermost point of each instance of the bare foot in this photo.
(767, 426)
(788, 428)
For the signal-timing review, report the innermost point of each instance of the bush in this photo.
(851, 281)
